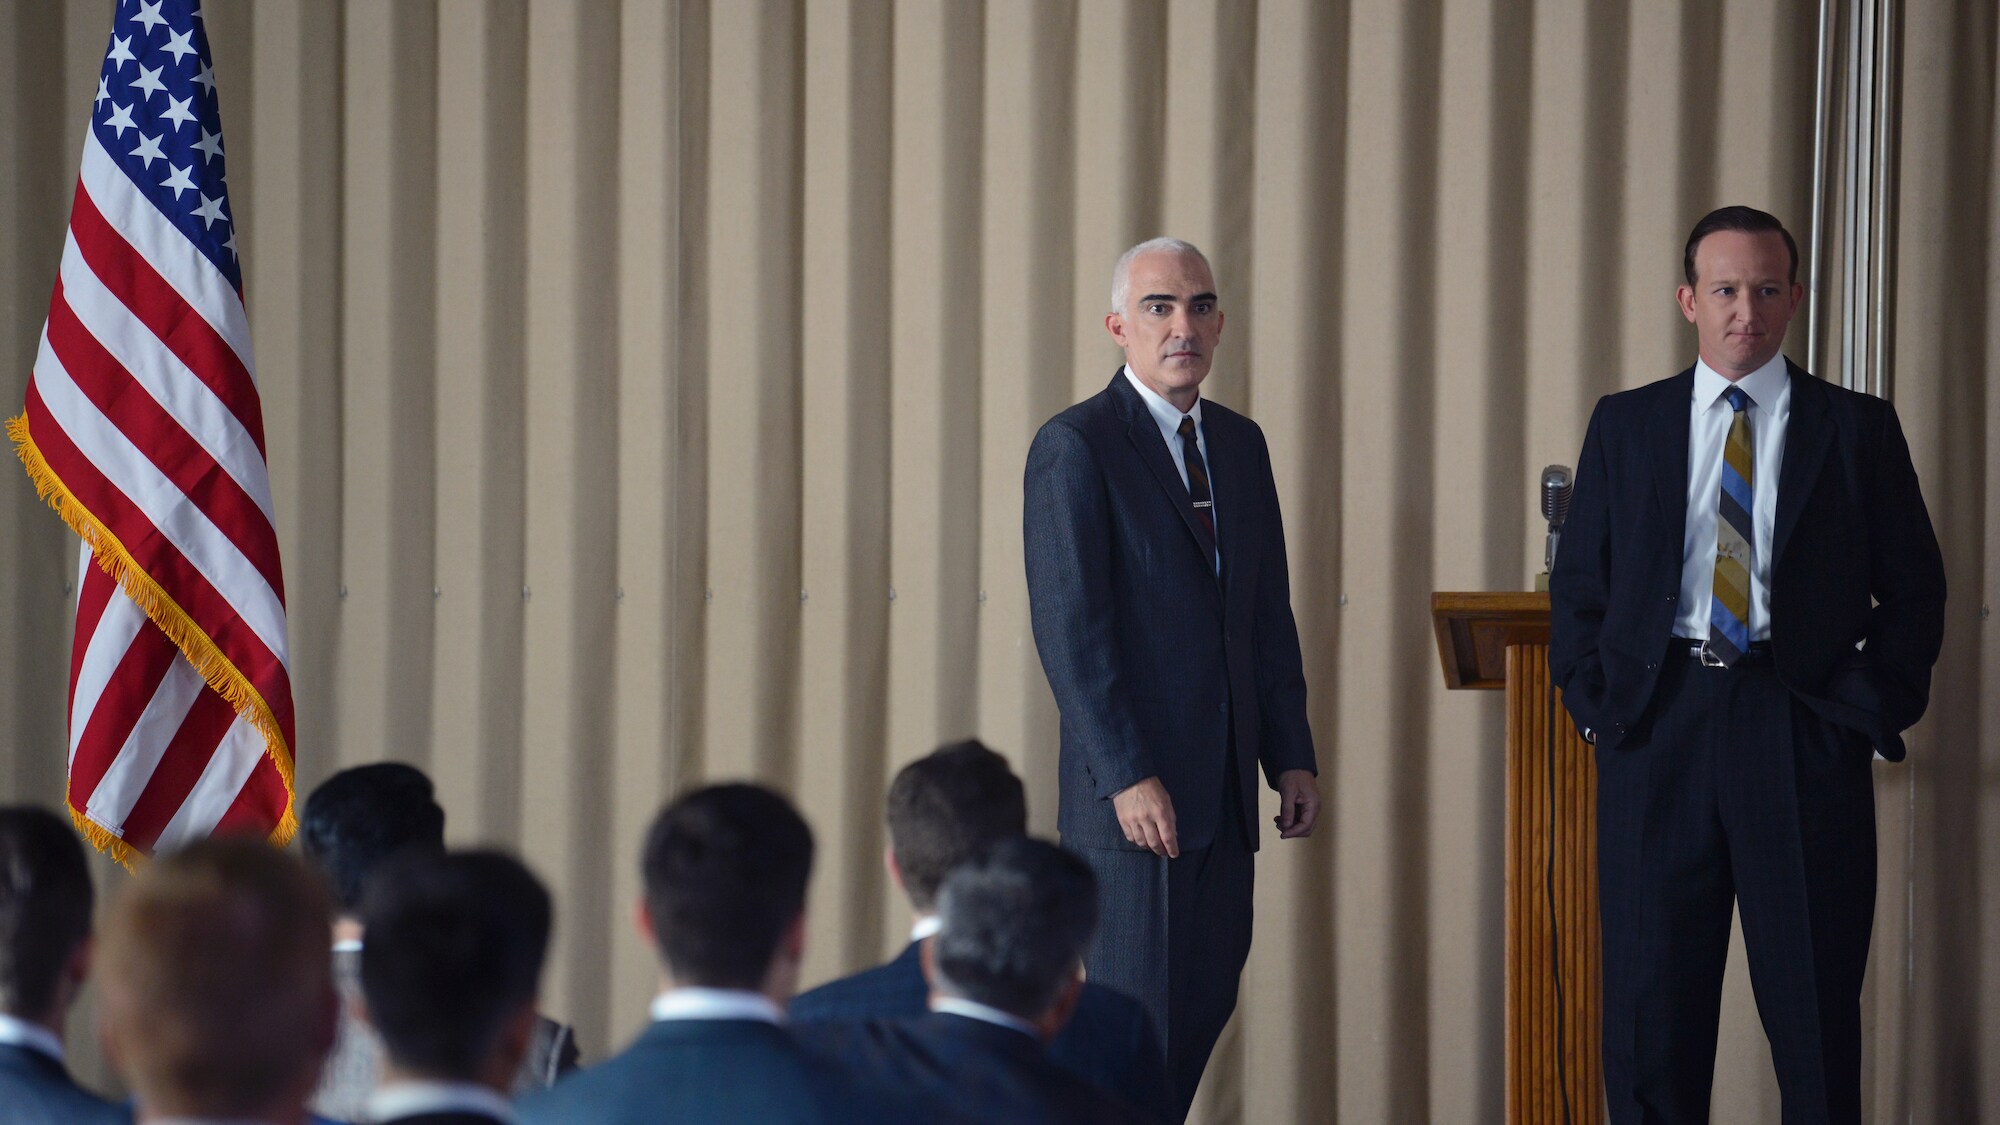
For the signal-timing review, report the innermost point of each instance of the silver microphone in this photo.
(1556, 488)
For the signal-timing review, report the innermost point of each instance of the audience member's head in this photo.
(452, 963)
(45, 904)
(217, 995)
(725, 870)
(360, 817)
(1017, 920)
(944, 808)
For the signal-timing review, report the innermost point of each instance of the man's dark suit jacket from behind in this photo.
(969, 1070)
(453, 1118)
(1156, 663)
(37, 1090)
(700, 1070)
(1854, 559)
(1108, 1041)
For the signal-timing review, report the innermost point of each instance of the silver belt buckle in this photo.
(1709, 659)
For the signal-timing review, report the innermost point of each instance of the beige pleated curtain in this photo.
(648, 386)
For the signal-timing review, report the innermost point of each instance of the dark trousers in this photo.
(1174, 934)
(1734, 791)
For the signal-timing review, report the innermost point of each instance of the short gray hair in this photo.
(1121, 274)
(1016, 921)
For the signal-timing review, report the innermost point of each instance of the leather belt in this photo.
(1758, 655)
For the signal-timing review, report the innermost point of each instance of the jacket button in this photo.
(1673, 597)
(1652, 667)
(1619, 727)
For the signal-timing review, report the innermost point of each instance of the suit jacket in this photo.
(456, 1117)
(703, 1070)
(970, 1070)
(1156, 663)
(1854, 561)
(1108, 1042)
(36, 1090)
(354, 1068)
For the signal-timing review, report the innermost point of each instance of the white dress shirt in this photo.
(408, 1099)
(1168, 418)
(20, 1033)
(1709, 418)
(972, 1009)
(926, 926)
(716, 1004)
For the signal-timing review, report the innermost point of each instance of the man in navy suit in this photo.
(450, 976)
(216, 1000)
(1748, 600)
(45, 905)
(943, 809)
(725, 871)
(1162, 611)
(1005, 971)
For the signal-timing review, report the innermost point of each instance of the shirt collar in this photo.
(926, 926)
(1762, 385)
(1164, 413)
(351, 945)
(20, 1033)
(973, 1010)
(419, 1096)
(716, 1004)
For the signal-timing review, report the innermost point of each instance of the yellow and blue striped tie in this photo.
(1735, 530)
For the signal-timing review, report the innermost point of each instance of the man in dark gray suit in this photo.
(1162, 611)
(352, 824)
(45, 905)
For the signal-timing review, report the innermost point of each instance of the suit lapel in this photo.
(1670, 452)
(1807, 435)
(1144, 433)
(1231, 476)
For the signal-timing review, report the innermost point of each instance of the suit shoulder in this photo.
(1089, 419)
(1644, 399)
(869, 994)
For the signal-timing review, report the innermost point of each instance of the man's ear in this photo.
(642, 920)
(1684, 297)
(1114, 323)
(794, 942)
(895, 869)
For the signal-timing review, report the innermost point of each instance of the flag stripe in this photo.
(187, 755)
(167, 566)
(215, 379)
(259, 802)
(227, 771)
(112, 798)
(93, 593)
(172, 540)
(140, 668)
(156, 239)
(109, 385)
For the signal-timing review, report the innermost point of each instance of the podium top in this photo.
(1475, 630)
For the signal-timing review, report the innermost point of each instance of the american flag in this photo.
(143, 429)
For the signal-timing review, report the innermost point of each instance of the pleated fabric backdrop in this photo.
(648, 386)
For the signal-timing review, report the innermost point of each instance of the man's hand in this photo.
(1146, 814)
(1298, 804)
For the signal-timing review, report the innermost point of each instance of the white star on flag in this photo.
(205, 78)
(148, 150)
(103, 92)
(148, 83)
(178, 44)
(121, 119)
(149, 14)
(177, 110)
(179, 181)
(210, 211)
(210, 145)
(121, 52)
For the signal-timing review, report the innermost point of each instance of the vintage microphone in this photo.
(1557, 485)
(1556, 489)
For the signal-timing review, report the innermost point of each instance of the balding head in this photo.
(218, 995)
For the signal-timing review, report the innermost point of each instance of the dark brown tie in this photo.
(1197, 480)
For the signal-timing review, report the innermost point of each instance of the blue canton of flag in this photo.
(156, 113)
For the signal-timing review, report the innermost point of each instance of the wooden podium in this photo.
(1489, 641)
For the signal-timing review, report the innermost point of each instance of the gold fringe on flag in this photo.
(200, 650)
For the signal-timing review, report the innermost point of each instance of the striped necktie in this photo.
(1197, 480)
(1735, 530)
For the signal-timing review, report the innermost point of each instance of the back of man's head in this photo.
(1017, 920)
(217, 993)
(454, 956)
(946, 806)
(725, 870)
(45, 904)
(360, 817)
